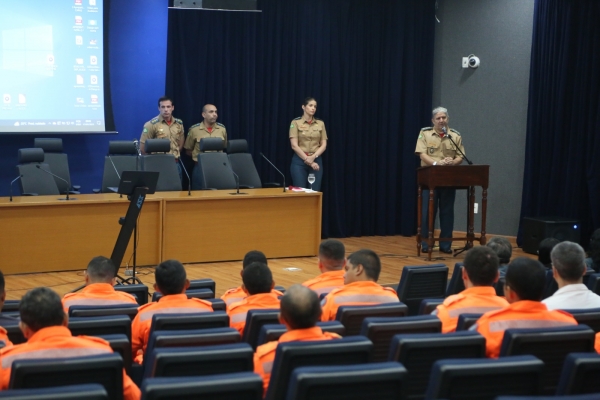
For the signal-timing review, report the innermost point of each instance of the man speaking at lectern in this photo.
(436, 146)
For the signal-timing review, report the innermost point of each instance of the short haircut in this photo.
(438, 110)
(2, 282)
(170, 277)
(569, 260)
(501, 247)
(595, 247)
(308, 100)
(300, 307)
(481, 265)
(527, 278)
(165, 98)
(101, 269)
(332, 254)
(41, 308)
(257, 278)
(207, 104)
(254, 256)
(544, 249)
(369, 260)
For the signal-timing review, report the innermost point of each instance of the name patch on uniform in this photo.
(292, 125)
(431, 150)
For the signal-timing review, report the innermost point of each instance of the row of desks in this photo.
(42, 233)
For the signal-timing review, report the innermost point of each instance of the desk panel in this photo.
(41, 233)
(218, 226)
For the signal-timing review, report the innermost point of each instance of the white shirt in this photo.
(572, 297)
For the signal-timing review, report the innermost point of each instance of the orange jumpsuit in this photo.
(476, 300)
(265, 353)
(356, 294)
(97, 294)
(597, 344)
(57, 342)
(170, 304)
(4, 338)
(521, 314)
(237, 311)
(237, 294)
(326, 282)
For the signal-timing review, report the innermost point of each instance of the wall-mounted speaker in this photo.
(537, 229)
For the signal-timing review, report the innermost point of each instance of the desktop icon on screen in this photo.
(22, 98)
(78, 20)
(93, 60)
(92, 2)
(94, 98)
(94, 80)
(79, 79)
(93, 42)
(78, 39)
(7, 99)
(79, 61)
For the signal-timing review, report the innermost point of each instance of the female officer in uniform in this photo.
(309, 141)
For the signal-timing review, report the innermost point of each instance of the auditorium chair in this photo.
(272, 332)
(138, 290)
(122, 156)
(291, 355)
(14, 333)
(105, 369)
(594, 283)
(185, 321)
(99, 311)
(90, 391)
(381, 330)
(422, 282)
(204, 294)
(588, 316)
(10, 306)
(466, 321)
(255, 319)
(206, 283)
(120, 344)
(58, 162)
(95, 326)
(456, 283)
(579, 374)
(429, 305)
(380, 381)
(213, 169)
(238, 386)
(484, 379)
(164, 163)
(352, 317)
(199, 360)
(35, 174)
(418, 353)
(243, 165)
(568, 397)
(551, 345)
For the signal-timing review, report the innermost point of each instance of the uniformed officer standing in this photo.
(165, 127)
(434, 147)
(207, 128)
(309, 141)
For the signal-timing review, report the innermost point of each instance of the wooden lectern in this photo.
(458, 177)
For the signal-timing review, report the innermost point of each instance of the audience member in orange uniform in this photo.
(237, 294)
(258, 284)
(361, 287)
(332, 259)
(44, 325)
(99, 288)
(524, 287)
(300, 312)
(172, 282)
(479, 274)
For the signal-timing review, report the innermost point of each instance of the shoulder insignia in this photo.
(296, 119)
(145, 130)
(178, 121)
(154, 121)
(220, 124)
(426, 128)
(195, 125)
(452, 130)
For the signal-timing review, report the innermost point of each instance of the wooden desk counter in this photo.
(214, 225)
(42, 233)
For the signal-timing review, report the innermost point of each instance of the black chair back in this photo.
(99, 311)
(579, 374)
(352, 317)
(589, 317)
(35, 173)
(171, 322)
(466, 321)
(456, 284)
(57, 160)
(206, 283)
(272, 332)
(121, 345)
(138, 290)
(422, 282)
(429, 305)
(122, 156)
(594, 283)
(242, 163)
(213, 166)
(91, 391)
(96, 326)
(255, 319)
(165, 164)
(202, 293)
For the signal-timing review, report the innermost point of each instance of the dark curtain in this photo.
(562, 156)
(369, 64)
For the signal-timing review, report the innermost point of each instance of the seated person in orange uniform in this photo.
(300, 312)
(172, 282)
(524, 287)
(332, 259)
(237, 294)
(44, 325)
(479, 274)
(99, 288)
(361, 287)
(258, 284)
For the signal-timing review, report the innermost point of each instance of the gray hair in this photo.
(439, 110)
(502, 247)
(569, 260)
